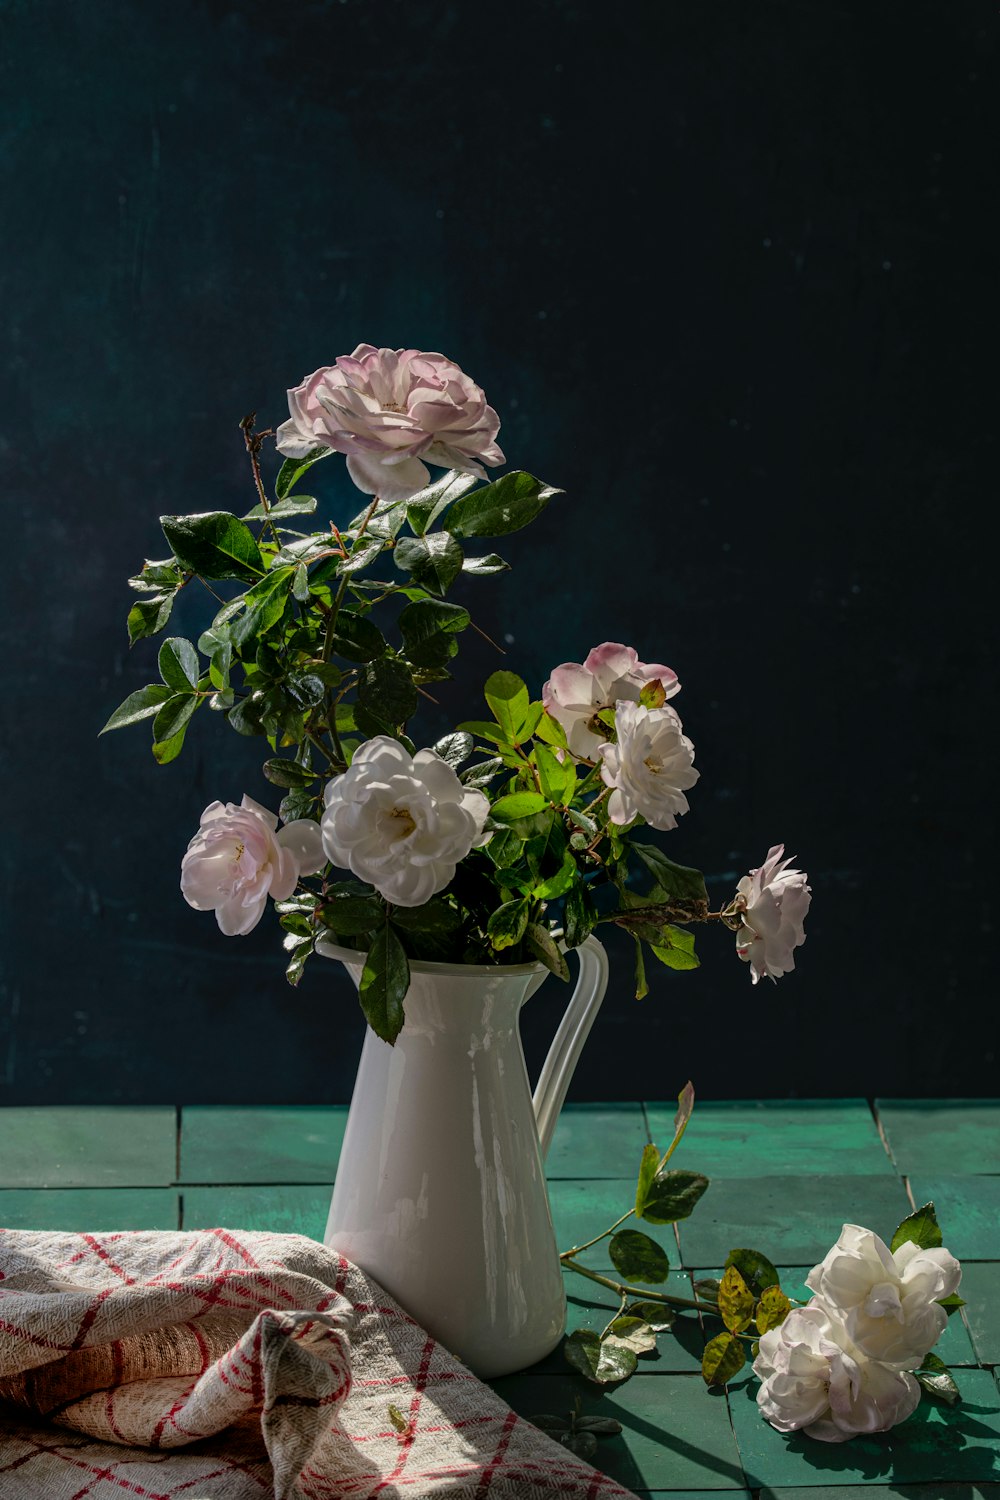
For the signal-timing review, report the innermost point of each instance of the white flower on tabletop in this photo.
(650, 768)
(401, 823)
(775, 902)
(888, 1303)
(814, 1379)
(239, 857)
(393, 411)
(577, 692)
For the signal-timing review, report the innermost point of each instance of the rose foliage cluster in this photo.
(519, 826)
(853, 1359)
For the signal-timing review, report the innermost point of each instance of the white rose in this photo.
(776, 901)
(577, 691)
(237, 859)
(814, 1379)
(650, 767)
(887, 1302)
(401, 823)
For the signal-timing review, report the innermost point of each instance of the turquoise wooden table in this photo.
(785, 1176)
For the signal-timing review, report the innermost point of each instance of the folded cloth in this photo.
(223, 1365)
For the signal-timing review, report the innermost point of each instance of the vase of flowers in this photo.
(451, 878)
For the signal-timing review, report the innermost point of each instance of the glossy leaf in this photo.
(164, 751)
(356, 638)
(580, 915)
(149, 616)
(179, 666)
(433, 561)
(678, 881)
(173, 716)
(482, 773)
(659, 1315)
(387, 690)
(454, 748)
(508, 698)
(500, 508)
(292, 470)
(675, 948)
(558, 781)
(921, 1227)
(647, 1172)
(673, 1195)
(772, 1309)
(288, 773)
(265, 604)
(637, 1257)
(631, 1333)
(936, 1379)
(736, 1301)
(384, 982)
(142, 704)
(755, 1268)
(428, 628)
(506, 926)
(543, 946)
(551, 731)
(516, 806)
(423, 508)
(214, 545)
(362, 555)
(291, 505)
(604, 1364)
(483, 567)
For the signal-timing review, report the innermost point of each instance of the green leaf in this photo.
(300, 584)
(435, 916)
(298, 803)
(582, 1444)
(500, 508)
(604, 1364)
(429, 627)
(637, 1257)
(936, 1379)
(214, 545)
(265, 605)
(558, 781)
(482, 729)
(677, 881)
(288, 773)
(951, 1304)
(736, 1301)
(482, 773)
(517, 805)
(641, 985)
(157, 577)
(350, 908)
(384, 982)
(772, 1309)
(423, 508)
(580, 915)
(551, 731)
(755, 1268)
(164, 751)
(921, 1227)
(142, 704)
(298, 951)
(305, 689)
(356, 638)
(173, 716)
(659, 1315)
(558, 883)
(387, 690)
(647, 1172)
(454, 748)
(723, 1358)
(292, 469)
(627, 1332)
(362, 554)
(543, 946)
(678, 951)
(179, 666)
(434, 561)
(507, 924)
(482, 567)
(508, 697)
(149, 616)
(673, 1195)
(293, 505)
(605, 1426)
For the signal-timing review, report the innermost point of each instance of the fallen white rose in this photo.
(401, 823)
(650, 767)
(887, 1302)
(239, 857)
(814, 1379)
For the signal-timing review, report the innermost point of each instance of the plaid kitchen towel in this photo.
(219, 1365)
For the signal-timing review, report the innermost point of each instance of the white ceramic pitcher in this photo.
(440, 1191)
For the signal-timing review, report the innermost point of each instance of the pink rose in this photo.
(776, 900)
(239, 857)
(612, 673)
(388, 409)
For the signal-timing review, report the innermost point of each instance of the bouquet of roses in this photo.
(508, 840)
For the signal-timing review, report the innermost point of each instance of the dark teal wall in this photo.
(724, 271)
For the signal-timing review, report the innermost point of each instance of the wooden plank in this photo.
(267, 1143)
(968, 1210)
(942, 1137)
(981, 1289)
(282, 1209)
(774, 1137)
(793, 1220)
(88, 1146)
(935, 1445)
(675, 1434)
(85, 1209)
(958, 1491)
(597, 1140)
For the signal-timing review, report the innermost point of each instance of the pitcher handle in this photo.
(567, 1044)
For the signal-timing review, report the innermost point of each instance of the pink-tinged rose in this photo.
(393, 411)
(577, 692)
(649, 768)
(776, 900)
(815, 1380)
(239, 857)
(889, 1303)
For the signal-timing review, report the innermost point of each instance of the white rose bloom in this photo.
(650, 767)
(576, 692)
(777, 900)
(239, 857)
(401, 823)
(888, 1303)
(813, 1378)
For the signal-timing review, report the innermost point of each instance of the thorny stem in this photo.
(253, 441)
(623, 1289)
(331, 629)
